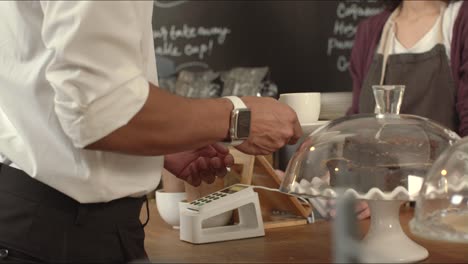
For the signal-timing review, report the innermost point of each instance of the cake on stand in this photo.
(382, 158)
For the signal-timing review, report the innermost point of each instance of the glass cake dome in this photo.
(382, 158)
(373, 156)
(442, 205)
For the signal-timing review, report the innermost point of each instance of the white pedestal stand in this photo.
(385, 241)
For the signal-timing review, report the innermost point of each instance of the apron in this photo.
(430, 90)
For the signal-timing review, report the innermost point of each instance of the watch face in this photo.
(243, 124)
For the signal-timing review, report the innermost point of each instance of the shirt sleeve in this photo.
(95, 66)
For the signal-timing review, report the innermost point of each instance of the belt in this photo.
(19, 183)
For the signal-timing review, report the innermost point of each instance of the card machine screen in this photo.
(233, 189)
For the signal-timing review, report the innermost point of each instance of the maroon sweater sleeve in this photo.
(365, 45)
(459, 57)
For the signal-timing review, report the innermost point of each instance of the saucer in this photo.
(308, 128)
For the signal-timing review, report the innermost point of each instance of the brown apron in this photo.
(430, 89)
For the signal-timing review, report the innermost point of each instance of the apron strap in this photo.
(386, 43)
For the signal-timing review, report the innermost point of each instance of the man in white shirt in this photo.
(83, 127)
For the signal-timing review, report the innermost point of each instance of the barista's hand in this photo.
(273, 125)
(202, 164)
(362, 209)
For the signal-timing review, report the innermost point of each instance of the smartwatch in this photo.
(239, 126)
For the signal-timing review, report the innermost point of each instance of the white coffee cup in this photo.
(168, 206)
(306, 105)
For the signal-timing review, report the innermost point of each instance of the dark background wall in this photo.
(306, 44)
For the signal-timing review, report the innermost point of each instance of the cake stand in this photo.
(382, 158)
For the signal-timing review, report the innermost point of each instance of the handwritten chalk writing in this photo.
(174, 33)
(184, 32)
(161, 33)
(221, 32)
(171, 49)
(168, 49)
(186, 40)
(346, 29)
(192, 64)
(199, 50)
(342, 63)
(355, 11)
(196, 38)
(190, 32)
(334, 43)
(341, 40)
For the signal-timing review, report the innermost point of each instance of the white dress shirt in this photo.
(71, 73)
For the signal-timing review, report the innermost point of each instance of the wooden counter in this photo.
(300, 244)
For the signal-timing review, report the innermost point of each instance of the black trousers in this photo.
(40, 224)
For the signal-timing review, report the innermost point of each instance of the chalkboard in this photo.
(306, 44)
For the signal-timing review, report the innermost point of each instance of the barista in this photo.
(419, 44)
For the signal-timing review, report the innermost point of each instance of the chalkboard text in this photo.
(186, 40)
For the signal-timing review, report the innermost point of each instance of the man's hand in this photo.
(273, 125)
(202, 164)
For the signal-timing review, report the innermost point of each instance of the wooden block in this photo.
(284, 223)
(258, 171)
(247, 163)
(272, 180)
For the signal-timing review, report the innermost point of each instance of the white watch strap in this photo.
(237, 103)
